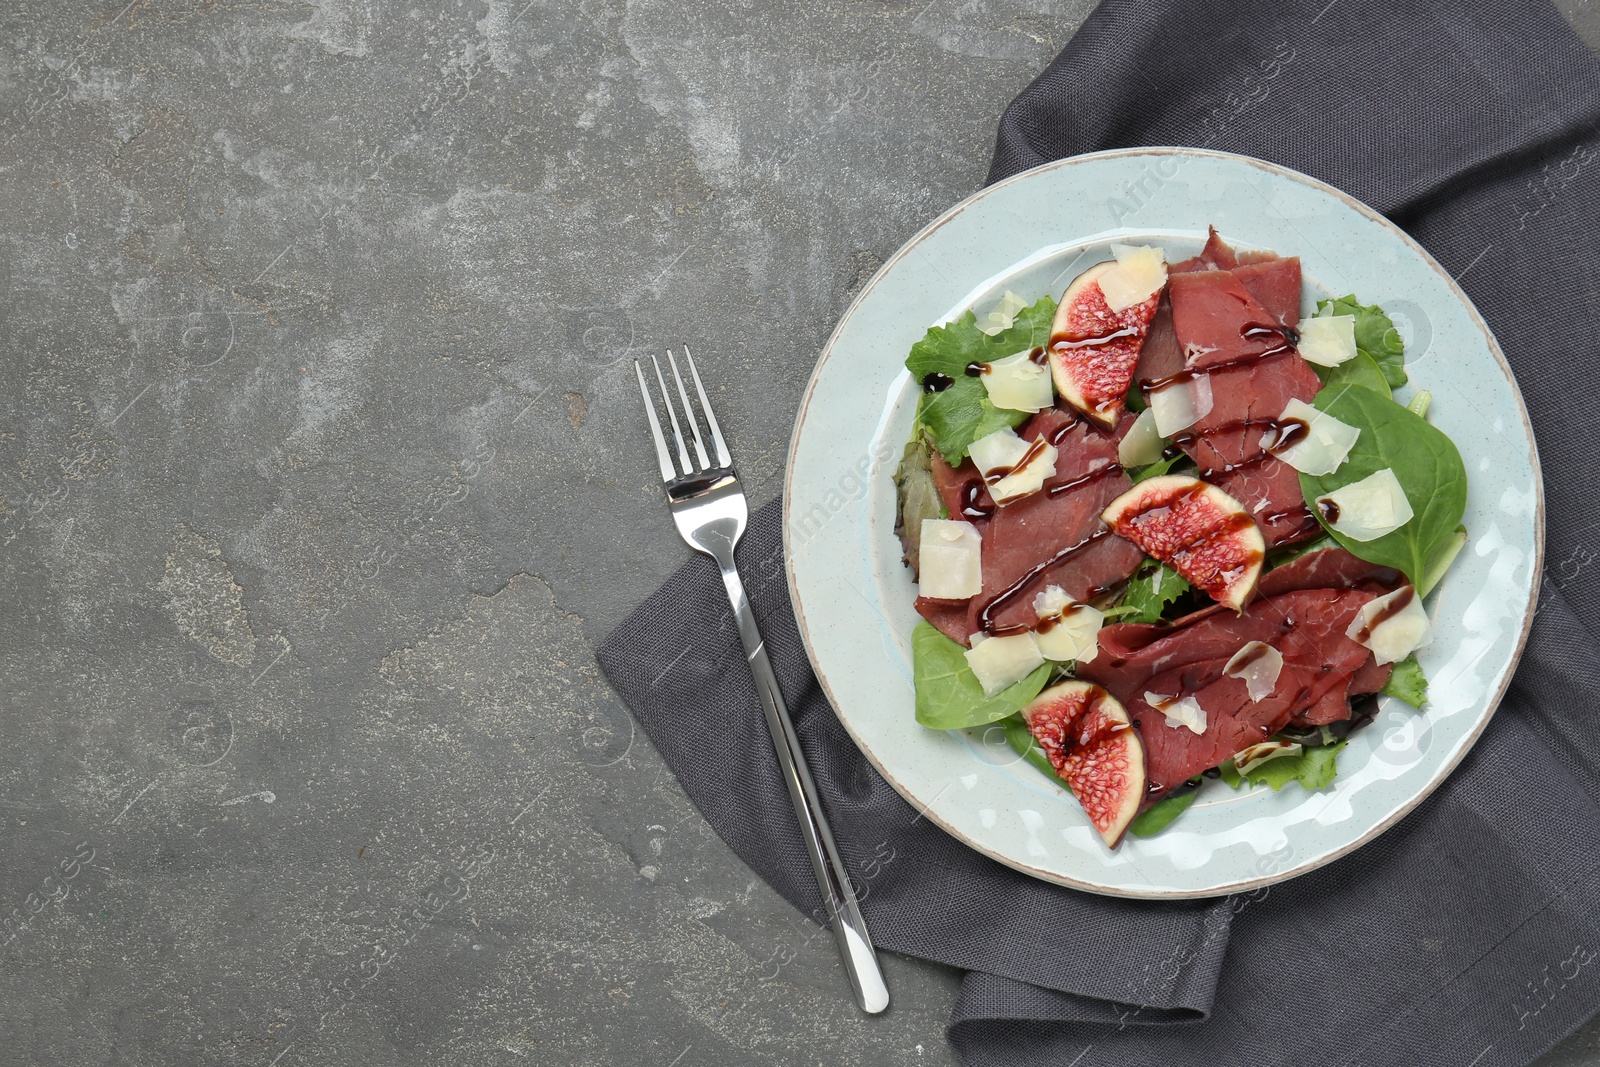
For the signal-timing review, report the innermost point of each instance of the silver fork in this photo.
(709, 508)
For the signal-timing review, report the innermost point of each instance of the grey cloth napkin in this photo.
(1469, 935)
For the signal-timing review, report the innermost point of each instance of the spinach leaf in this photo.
(1375, 336)
(1021, 739)
(1425, 461)
(961, 413)
(1149, 593)
(1158, 816)
(1444, 554)
(1360, 369)
(1407, 682)
(948, 694)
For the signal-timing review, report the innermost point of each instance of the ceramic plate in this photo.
(1032, 234)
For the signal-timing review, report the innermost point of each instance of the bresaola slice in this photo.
(1216, 255)
(1094, 350)
(1275, 283)
(1328, 568)
(1089, 740)
(962, 489)
(1322, 669)
(1202, 532)
(1051, 537)
(1055, 536)
(1232, 319)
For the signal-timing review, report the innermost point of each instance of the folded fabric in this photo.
(1464, 936)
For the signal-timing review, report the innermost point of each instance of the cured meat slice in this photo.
(949, 617)
(1218, 320)
(1245, 349)
(1187, 659)
(1216, 255)
(1061, 522)
(1161, 357)
(962, 490)
(1275, 283)
(1329, 568)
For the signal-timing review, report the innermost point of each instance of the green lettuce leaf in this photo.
(1289, 553)
(1424, 460)
(1149, 593)
(960, 414)
(1407, 682)
(1158, 816)
(948, 694)
(1313, 768)
(1376, 336)
(1156, 469)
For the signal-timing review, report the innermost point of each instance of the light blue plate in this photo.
(1032, 234)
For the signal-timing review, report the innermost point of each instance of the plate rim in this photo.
(1446, 769)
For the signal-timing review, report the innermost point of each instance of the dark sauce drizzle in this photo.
(1278, 434)
(1062, 342)
(1103, 729)
(1189, 374)
(971, 506)
(1015, 589)
(1035, 448)
(1401, 602)
(1050, 622)
(1255, 655)
(1078, 483)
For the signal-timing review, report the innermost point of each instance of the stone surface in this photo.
(321, 472)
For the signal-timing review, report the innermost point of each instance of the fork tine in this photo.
(662, 455)
(723, 459)
(688, 413)
(672, 413)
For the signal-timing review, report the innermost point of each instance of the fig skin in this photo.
(1094, 379)
(1203, 533)
(1090, 741)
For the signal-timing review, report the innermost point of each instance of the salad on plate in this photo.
(1172, 527)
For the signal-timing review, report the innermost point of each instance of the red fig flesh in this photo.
(1089, 740)
(1093, 350)
(1205, 534)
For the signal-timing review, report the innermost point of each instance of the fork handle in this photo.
(849, 929)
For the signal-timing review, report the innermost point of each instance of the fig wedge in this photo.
(1087, 736)
(1094, 350)
(1203, 533)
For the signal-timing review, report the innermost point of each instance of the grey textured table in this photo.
(321, 472)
